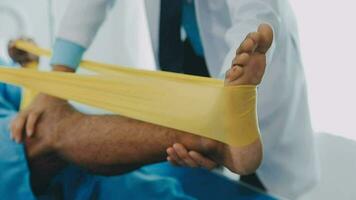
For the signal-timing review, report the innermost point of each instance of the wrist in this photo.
(62, 68)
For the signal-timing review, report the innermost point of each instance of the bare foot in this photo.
(247, 68)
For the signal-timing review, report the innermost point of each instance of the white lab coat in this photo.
(289, 165)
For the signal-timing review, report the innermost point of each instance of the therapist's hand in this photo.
(20, 56)
(25, 122)
(178, 155)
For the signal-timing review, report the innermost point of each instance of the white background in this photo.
(328, 41)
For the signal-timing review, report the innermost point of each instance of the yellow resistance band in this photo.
(198, 105)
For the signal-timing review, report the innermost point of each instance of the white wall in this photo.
(19, 17)
(337, 179)
(328, 38)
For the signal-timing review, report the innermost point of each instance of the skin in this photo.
(113, 144)
(19, 56)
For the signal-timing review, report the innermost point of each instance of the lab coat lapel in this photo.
(153, 13)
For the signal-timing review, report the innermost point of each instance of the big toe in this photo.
(266, 38)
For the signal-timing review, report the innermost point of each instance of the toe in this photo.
(266, 38)
(249, 44)
(241, 59)
(234, 73)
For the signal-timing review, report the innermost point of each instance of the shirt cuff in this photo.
(67, 53)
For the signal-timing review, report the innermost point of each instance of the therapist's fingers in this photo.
(174, 157)
(184, 156)
(202, 161)
(17, 126)
(31, 123)
(173, 162)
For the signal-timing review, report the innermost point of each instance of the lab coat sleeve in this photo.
(246, 16)
(82, 20)
(67, 53)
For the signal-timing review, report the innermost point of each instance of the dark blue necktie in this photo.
(175, 55)
(170, 44)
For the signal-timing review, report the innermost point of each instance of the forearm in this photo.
(114, 144)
